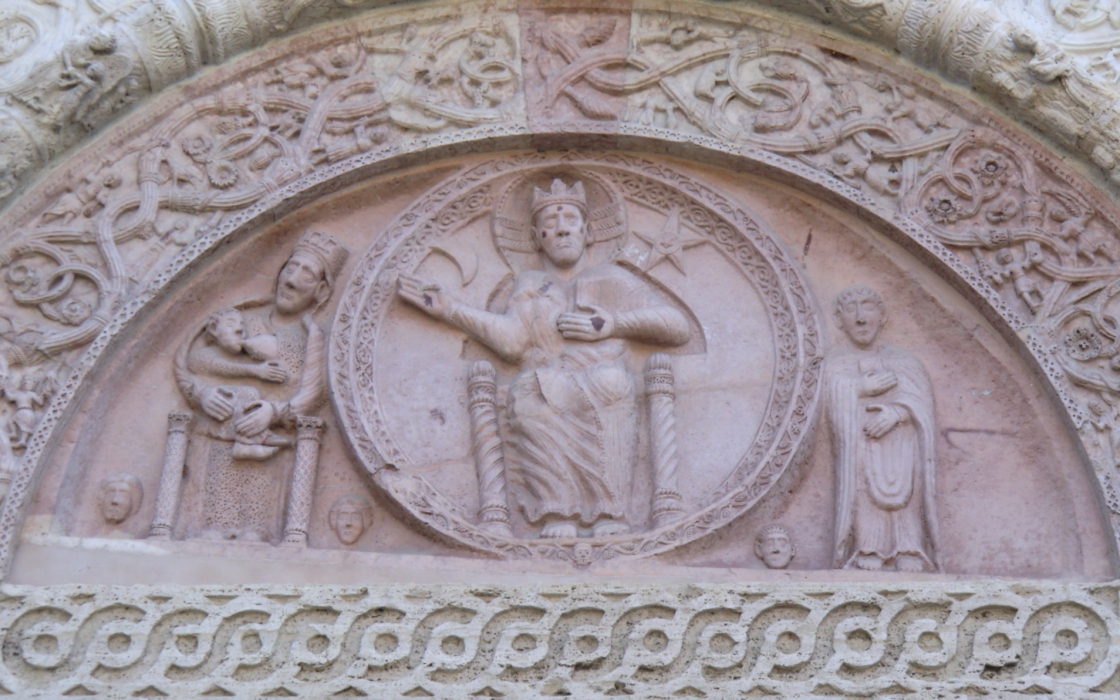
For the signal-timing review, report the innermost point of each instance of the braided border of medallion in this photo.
(580, 641)
(786, 425)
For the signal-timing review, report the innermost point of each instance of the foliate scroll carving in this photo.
(130, 218)
(700, 75)
(61, 83)
(455, 641)
(114, 232)
(567, 449)
(1048, 254)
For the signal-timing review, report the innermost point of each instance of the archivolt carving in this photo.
(89, 248)
(587, 642)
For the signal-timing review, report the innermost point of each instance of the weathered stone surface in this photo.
(586, 641)
(495, 293)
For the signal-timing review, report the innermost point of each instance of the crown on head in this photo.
(327, 249)
(559, 193)
(772, 530)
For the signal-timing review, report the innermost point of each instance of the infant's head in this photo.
(226, 327)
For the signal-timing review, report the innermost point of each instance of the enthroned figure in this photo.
(572, 408)
(880, 407)
(278, 352)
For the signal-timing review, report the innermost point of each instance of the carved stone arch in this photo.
(186, 167)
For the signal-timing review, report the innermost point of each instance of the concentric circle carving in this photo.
(375, 329)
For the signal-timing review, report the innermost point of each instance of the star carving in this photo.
(669, 243)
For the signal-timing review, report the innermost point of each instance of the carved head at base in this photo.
(120, 496)
(307, 278)
(559, 219)
(349, 517)
(774, 547)
(860, 314)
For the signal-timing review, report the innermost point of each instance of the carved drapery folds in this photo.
(578, 302)
(86, 256)
(93, 245)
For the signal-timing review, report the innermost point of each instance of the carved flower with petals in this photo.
(1083, 344)
(944, 210)
(222, 174)
(196, 146)
(992, 169)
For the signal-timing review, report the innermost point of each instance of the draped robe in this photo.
(885, 488)
(572, 409)
(243, 499)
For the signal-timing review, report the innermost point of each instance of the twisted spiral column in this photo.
(482, 390)
(668, 504)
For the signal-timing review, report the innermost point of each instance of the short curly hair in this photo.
(857, 292)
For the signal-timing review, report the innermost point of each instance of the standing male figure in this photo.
(880, 407)
(573, 406)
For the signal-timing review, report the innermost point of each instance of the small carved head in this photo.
(120, 496)
(774, 547)
(560, 222)
(582, 554)
(860, 313)
(102, 42)
(349, 517)
(307, 278)
(226, 327)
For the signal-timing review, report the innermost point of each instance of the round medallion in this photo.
(575, 357)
